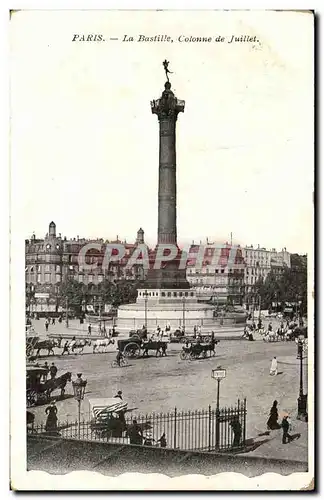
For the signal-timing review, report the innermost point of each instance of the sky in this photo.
(85, 145)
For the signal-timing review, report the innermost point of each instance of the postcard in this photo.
(162, 262)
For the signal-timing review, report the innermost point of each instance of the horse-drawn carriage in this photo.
(198, 350)
(35, 385)
(108, 418)
(39, 388)
(183, 337)
(135, 347)
(141, 334)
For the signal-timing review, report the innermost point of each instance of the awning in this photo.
(100, 408)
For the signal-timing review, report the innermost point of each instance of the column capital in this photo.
(168, 106)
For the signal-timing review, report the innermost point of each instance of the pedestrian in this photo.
(285, 428)
(119, 395)
(135, 433)
(60, 319)
(162, 441)
(51, 421)
(53, 321)
(46, 325)
(270, 327)
(272, 422)
(53, 371)
(237, 431)
(259, 324)
(89, 328)
(274, 366)
(66, 347)
(47, 368)
(148, 438)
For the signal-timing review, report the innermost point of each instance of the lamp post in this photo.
(184, 313)
(145, 308)
(79, 386)
(218, 374)
(67, 312)
(302, 399)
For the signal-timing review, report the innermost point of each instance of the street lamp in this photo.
(145, 308)
(184, 313)
(79, 386)
(218, 374)
(302, 399)
(67, 312)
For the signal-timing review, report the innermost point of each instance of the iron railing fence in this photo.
(205, 430)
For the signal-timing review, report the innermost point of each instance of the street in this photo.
(161, 384)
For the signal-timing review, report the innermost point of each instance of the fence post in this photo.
(244, 432)
(209, 428)
(175, 428)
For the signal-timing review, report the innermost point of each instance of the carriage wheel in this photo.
(183, 355)
(206, 339)
(183, 340)
(193, 356)
(132, 350)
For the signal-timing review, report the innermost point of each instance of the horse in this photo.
(79, 345)
(102, 344)
(210, 347)
(159, 346)
(57, 383)
(47, 345)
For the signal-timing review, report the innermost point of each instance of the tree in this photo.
(120, 292)
(72, 293)
(289, 286)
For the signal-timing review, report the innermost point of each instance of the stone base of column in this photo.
(169, 276)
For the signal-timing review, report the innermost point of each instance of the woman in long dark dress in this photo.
(51, 421)
(273, 418)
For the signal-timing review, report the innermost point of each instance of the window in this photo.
(39, 268)
(100, 278)
(47, 268)
(58, 269)
(186, 294)
(90, 278)
(39, 278)
(191, 294)
(180, 294)
(169, 294)
(47, 278)
(216, 271)
(163, 294)
(222, 271)
(58, 278)
(175, 294)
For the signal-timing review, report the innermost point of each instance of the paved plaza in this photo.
(161, 384)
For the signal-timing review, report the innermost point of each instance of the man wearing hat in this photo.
(285, 428)
(119, 395)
